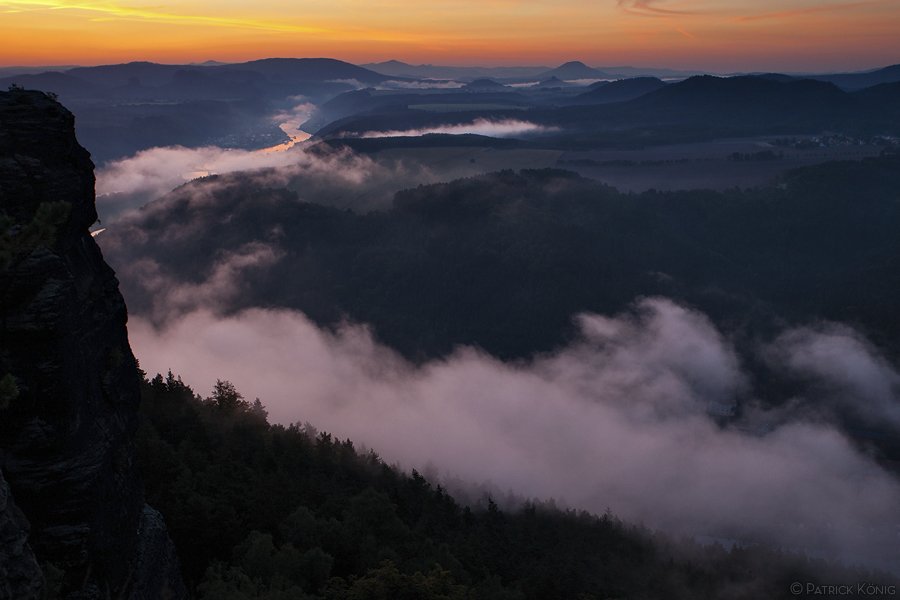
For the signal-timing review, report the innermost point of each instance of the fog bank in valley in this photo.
(617, 419)
(500, 128)
(341, 178)
(130, 183)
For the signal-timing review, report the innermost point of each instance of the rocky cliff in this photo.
(69, 384)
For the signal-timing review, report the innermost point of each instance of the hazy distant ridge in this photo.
(620, 91)
(395, 68)
(575, 70)
(857, 81)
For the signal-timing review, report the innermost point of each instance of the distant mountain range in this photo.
(395, 68)
(746, 97)
(568, 71)
(272, 77)
(326, 69)
(703, 106)
(575, 70)
(483, 85)
(555, 82)
(10, 71)
(121, 109)
(746, 103)
(858, 81)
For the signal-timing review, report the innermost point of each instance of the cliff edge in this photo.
(69, 383)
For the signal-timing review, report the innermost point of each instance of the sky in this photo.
(713, 35)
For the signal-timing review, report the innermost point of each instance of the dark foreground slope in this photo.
(69, 387)
(267, 511)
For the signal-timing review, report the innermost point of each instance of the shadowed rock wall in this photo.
(69, 384)
(20, 575)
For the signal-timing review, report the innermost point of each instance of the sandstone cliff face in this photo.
(72, 386)
(20, 575)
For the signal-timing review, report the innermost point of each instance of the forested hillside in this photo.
(505, 260)
(267, 511)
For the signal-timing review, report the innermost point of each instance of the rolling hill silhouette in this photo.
(857, 81)
(620, 91)
(574, 70)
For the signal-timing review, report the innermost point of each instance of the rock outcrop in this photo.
(20, 575)
(69, 384)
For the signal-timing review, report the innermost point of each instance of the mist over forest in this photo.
(640, 325)
(419, 305)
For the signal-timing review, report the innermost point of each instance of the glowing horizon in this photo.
(710, 35)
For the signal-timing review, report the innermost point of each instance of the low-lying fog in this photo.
(499, 128)
(343, 178)
(618, 419)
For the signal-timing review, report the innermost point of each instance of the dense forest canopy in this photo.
(275, 512)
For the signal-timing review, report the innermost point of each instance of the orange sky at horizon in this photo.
(712, 35)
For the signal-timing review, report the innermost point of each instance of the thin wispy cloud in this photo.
(648, 8)
(681, 31)
(163, 14)
(156, 14)
(808, 11)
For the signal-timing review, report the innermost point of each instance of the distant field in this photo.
(700, 165)
(463, 107)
